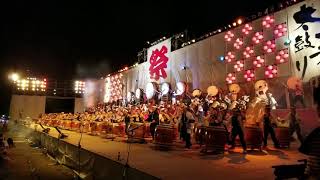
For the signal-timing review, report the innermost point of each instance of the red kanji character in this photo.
(158, 63)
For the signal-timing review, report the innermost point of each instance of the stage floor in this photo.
(187, 164)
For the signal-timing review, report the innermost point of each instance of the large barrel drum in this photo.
(253, 137)
(52, 122)
(118, 129)
(75, 125)
(46, 122)
(283, 136)
(215, 139)
(137, 130)
(103, 128)
(200, 134)
(164, 135)
(60, 124)
(148, 133)
(85, 127)
(67, 124)
(93, 128)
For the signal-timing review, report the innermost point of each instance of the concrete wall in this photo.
(32, 106)
(28, 106)
(79, 105)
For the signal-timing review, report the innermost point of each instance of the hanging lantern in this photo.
(271, 71)
(268, 21)
(247, 29)
(228, 36)
(280, 30)
(248, 52)
(258, 62)
(269, 46)
(282, 56)
(230, 57)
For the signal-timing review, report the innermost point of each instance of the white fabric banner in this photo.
(157, 62)
(304, 33)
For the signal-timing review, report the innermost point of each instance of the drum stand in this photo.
(44, 130)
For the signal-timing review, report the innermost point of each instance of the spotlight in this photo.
(221, 58)
(239, 21)
(193, 40)
(287, 42)
(234, 24)
(14, 77)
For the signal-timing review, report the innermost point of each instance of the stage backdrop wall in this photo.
(79, 105)
(28, 106)
(32, 106)
(204, 66)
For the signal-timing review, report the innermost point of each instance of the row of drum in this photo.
(213, 138)
(95, 128)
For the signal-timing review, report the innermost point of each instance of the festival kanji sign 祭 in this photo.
(158, 57)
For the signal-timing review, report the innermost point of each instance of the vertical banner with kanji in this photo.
(304, 34)
(158, 58)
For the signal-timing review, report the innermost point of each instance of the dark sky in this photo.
(73, 39)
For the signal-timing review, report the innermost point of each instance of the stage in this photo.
(102, 158)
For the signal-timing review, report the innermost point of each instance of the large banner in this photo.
(304, 33)
(158, 57)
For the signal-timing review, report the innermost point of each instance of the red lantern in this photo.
(269, 46)
(248, 52)
(271, 71)
(247, 29)
(249, 75)
(231, 78)
(258, 37)
(280, 30)
(238, 43)
(258, 62)
(228, 36)
(230, 56)
(282, 56)
(268, 21)
(238, 66)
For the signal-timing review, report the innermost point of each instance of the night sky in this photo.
(66, 39)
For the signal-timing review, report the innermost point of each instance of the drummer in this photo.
(237, 129)
(268, 128)
(153, 119)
